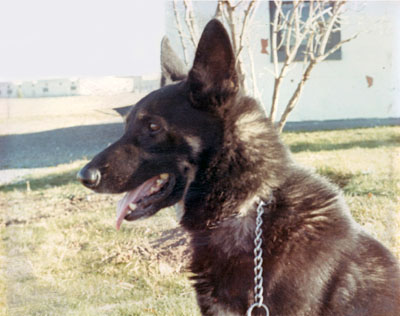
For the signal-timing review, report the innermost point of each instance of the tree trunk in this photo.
(296, 95)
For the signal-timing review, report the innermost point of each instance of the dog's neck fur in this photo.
(214, 198)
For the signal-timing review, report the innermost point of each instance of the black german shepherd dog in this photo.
(201, 144)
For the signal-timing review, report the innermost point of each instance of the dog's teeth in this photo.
(159, 182)
(153, 189)
(132, 206)
(164, 176)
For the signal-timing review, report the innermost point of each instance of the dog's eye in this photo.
(154, 128)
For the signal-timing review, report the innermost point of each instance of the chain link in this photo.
(258, 261)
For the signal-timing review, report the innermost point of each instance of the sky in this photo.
(79, 38)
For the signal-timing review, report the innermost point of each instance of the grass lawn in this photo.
(61, 255)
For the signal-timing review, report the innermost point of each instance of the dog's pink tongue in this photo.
(132, 197)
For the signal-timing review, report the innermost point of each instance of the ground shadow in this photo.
(51, 148)
(43, 182)
(328, 125)
(390, 141)
(54, 147)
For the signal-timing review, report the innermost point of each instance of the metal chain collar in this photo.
(258, 261)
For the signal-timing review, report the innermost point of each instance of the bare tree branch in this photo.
(291, 54)
(296, 95)
(278, 79)
(231, 19)
(180, 32)
(336, 47)
(190, 22)
(275, 31)
(328, 31)
(248, 13)
(218, 11)
(229, 9)
(256, 92)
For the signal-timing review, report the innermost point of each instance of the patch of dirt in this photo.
(173, 247)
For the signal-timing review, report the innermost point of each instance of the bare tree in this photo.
(306, 35)
(298, 28)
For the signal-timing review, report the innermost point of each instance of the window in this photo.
(287, 6)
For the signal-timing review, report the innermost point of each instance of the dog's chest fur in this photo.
(223, 264)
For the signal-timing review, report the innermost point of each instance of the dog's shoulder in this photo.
(310, 210)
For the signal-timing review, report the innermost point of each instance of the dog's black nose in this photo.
(90, 177)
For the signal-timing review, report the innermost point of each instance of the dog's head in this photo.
(161, 150)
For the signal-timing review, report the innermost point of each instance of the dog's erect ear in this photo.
(213, 77)
(172, 68)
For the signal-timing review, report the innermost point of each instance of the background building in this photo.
(74, 86)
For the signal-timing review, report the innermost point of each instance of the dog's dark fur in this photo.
(224, 156)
